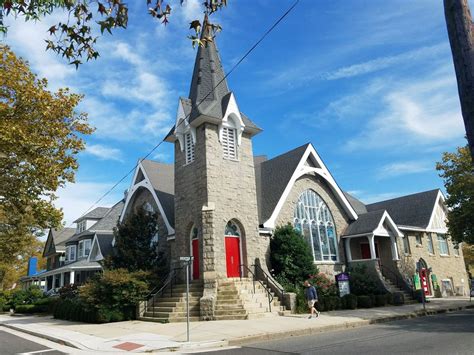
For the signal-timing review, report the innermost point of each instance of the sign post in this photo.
(188, 260)
(471, 293)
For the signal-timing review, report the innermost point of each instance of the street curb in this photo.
(346, 325)
(44, 336)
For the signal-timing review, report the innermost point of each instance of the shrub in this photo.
(28, 296)
(364, 301)
(290, 255)
(69, 291)
(325, 286)
(113, 293)
(419, 295)
(31, 308)
(74, 310)
(343, 302)
(389, 297)
(351, 301)
(380, 300)
(361, 282)
(398, 299)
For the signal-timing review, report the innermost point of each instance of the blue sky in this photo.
(370, 83)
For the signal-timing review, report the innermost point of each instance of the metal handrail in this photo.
(400, 283)
(160, 290)
(269, 279)
(266, 288)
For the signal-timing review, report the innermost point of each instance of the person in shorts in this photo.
(311, 296)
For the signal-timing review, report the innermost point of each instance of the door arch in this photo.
(233, 245)
(194, 237)
(425, 277)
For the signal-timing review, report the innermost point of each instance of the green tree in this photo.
(40, 136)
(135, 245)
(291, 256)
(76, 38)
(468, 254)
(456, 170)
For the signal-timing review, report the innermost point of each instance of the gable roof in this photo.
(56, 242)
(412, 210)
(105, 243)
(366, 223)
(357, 204)
(96, 213)
(272, 177)
(161, 177)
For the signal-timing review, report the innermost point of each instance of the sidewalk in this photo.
(138, 336)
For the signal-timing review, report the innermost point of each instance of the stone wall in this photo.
(450, 267)
(341, 220)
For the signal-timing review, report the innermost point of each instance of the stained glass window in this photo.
(232, 229)
(313, 219)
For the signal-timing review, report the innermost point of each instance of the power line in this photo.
(275, 24)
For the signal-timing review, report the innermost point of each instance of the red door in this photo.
(365, 250)
(232, 255)
(196, 259)
(425, 283)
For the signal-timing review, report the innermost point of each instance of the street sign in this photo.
(186, 258)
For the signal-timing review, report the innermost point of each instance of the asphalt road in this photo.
(12, 344)
(451, 333)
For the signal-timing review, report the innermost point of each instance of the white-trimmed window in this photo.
(313, 219)
(406, 244)
(189, 147)
(84, 248)
(443, 244)
(418, 239)
(229, 142)
(430, 243)
(81, 226)
(70, 253)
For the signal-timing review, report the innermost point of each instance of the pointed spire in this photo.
(208, 73)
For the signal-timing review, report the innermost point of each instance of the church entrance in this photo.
(232, 249)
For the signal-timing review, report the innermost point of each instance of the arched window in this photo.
(232, 229)
(313, 219)
(229, 140)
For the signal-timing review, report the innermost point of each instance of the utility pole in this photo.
(461, 37)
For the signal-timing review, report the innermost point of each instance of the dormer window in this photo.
(84, 248)
(81, 226)
(189, 147)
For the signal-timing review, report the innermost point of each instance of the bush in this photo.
(114, 293)
(31, 308)
(290, 255)
(419, 295)
(361, 282)
(325, 286)
(69, 291)
(380, 300)
(74, 310)
(389, 297)
(350, 301)
(364, 301)
(398, 299)
(22, 297)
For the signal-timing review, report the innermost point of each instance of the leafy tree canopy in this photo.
(76, 38)
(135, 244)
(456, 170)
(290, 255)
(40, 136)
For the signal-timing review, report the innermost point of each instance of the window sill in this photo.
(445, 255)
(431, 254)
(231, 159)
(189, 163)
(170, 238)
(327, 262)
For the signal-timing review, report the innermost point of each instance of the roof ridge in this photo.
(305, 146)
(404, 196)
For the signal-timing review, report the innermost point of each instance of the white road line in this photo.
(37, 352)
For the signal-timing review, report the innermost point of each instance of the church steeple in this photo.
(207, 74)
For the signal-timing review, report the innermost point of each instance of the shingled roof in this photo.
(356, 204)
(412, 210)
(272, 177)
(96, 213)
(162, 179)
(366, 223)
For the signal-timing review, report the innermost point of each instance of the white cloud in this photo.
(413, 113)
(104, 152)
(384, 62)
(367, 197)
(75, 199)
(404, 168)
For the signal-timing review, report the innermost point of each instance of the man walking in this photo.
(311, 297)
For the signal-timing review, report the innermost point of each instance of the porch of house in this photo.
(379, 253)
(58, 278)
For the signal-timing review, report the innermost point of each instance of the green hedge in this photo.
(380, 300)
(364, 302)
(31, 308)
(350, 301)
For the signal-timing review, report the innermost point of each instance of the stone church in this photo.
(220, 204)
